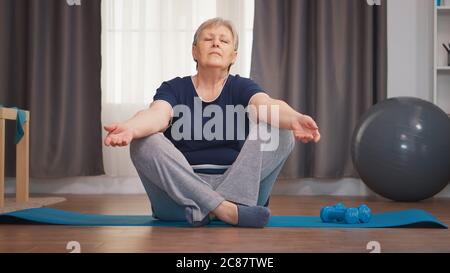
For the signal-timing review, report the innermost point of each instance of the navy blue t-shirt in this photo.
(204, 154)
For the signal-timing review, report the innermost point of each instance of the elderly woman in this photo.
(196, 177)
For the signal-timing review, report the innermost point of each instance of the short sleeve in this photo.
(165, 92)
(247, 88)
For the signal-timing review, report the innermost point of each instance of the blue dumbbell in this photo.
(331, 214)
(339, 213)
(364, 213)
(339, 206)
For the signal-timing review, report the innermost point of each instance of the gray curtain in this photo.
(50, 64)
(327, 59)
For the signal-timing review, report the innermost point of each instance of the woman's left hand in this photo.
(305, 129)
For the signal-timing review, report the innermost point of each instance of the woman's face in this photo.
(215, 48)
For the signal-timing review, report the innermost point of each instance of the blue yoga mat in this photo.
(406, 218)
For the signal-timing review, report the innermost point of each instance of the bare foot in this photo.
(227, 212)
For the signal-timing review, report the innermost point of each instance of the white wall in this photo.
(410, 48)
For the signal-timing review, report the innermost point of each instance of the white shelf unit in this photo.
(441, 68)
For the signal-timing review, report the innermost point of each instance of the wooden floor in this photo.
(23, 238)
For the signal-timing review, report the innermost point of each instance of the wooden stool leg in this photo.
(2, 162)
(22, 167)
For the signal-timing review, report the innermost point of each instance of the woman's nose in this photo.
(216, 43)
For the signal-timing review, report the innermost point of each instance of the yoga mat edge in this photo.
(395, 219)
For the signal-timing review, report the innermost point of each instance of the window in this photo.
(145, 42)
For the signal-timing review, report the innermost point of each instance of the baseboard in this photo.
(132, 185)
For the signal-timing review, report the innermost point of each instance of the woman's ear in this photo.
(194, 53)
(234, 57)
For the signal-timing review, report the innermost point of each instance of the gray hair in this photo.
(217, 22)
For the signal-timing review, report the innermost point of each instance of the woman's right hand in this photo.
(119, 135)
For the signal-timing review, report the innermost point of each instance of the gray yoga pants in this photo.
(172, 185)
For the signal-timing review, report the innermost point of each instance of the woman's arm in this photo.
(152, 120)
(303, 126)
(144, 123)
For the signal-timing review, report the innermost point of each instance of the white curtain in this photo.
(145, 42)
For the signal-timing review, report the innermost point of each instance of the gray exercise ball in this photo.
(401, 149)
